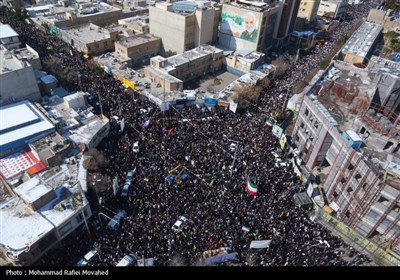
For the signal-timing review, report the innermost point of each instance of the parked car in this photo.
(128, 260)
(88, 258)
(177, 227)
(135, 147)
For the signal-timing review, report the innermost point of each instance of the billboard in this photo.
(244, 25)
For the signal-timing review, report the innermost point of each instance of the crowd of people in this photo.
(214, 197)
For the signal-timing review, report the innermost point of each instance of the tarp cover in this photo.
(221, 258)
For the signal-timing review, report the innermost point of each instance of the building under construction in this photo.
(347, 133)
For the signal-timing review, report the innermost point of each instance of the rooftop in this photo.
(9, 62)
(362, 39)
(189, 55)
(6, 31)
(85, 133)
(21, 225)
(138, 40)
(89, 33)
(20, 120)
(344, 94)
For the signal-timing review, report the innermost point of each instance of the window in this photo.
(351, 167)
(306, 112)
(358, 176)
(301, 125)
(335, 195)
(316, 125)
(343, 180)
(350, 190)
(347, 214)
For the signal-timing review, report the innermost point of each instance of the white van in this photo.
(88, 258)
(128, 260)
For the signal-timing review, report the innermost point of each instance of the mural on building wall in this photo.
(240, 23)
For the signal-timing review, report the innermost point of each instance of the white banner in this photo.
(260, 244)
(233, 106)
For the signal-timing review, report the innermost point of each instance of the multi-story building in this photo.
(101, 14)
(139, 48)
(248, 25)
(173, 71)
(184, 25)
(138, 24)
(288, 17)
(309, 9)
(21, 123)
(347, 133)
(90, 38)
(8, 37)
(17, 79)
(39, 213)
(332, 8)
(361, 43)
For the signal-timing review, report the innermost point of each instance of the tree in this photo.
(265, 83)
(20, 12)
(169, 53)
(281, 66)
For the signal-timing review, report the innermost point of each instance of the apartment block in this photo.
(308, 9)
(139, 48)
(184, 25)
(248, 25)
(347, 133)
(90, 38)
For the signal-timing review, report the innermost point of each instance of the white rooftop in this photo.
(20, 114)
(6, 31)
(32, 190)
(27, 116)
(20, 225)
(363, 39)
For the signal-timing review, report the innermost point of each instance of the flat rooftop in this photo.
(7, 31)
(32, 190)
(192, 54)
(362, 39)
(24, 54)
(89, 33)
(21, 226)
(21, 120)
(9, 62)
(138, 40)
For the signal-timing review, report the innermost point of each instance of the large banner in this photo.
(241, 27)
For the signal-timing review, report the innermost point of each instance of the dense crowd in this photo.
(214, 198)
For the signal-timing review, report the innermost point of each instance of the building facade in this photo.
(288, 18)
(309, 9)
(40, 213)
(332, 8)
(139, 48)
(8, 37)
(248, 25)
(17, 79)
(184, 25)
(352, 143)
(90, 38)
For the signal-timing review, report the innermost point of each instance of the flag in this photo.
(269, 123)
(251, 188)
(245, 229)
(170, 131)
(146, 123)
